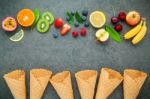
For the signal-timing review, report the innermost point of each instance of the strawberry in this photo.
(58, 23)
(65, 29)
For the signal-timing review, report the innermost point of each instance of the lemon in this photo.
(97, 19)
(18, 36)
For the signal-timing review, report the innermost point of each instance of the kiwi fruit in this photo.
(49, 17)
(43, 25)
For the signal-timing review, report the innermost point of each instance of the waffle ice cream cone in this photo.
(16, 83)
(86, 81)
(108, 81)
(62, 84)
(133, 81)
(39, 79)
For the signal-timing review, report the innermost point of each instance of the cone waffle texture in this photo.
(16, 83)
(86, 81)
(108, 81)
(133, 81)
(62, 84)
(39, 79)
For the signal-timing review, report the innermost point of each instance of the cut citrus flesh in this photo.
(97, 19)
(25, 17)
(18, 36)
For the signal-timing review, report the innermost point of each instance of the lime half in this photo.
(18, 36)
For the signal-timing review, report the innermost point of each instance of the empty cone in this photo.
(133, 81)
(86, 81)
(62, 84)
(16, 83)
(108, 81)
(39, 79)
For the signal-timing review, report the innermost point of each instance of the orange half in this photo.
(25, 17)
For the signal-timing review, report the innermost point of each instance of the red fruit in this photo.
(114, 20)
(122, 16)
(75, 34)
(118, 27)
(58, 23)
(83, 32)
(65, 29)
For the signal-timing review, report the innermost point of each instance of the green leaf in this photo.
(71, 21)
(37, 16)
(78, 17)
(113, 33)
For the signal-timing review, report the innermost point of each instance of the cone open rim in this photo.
(40, 72)
(112, 74)
(60, 77)
(86, 74)
(16, 74)
(134, 73)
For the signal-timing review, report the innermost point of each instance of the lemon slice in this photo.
(18, 36)
(97, 19)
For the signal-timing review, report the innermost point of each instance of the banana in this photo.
(133, 31)
(140, 35)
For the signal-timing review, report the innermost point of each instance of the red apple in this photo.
(58, 23)
(133, 18)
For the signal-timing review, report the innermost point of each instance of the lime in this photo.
(18, 36)
(97, 19)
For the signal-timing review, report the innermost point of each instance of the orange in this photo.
(25, 17)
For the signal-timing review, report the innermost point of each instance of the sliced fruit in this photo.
(65, 29)
(97, 19)
(102, 35)
(133, 18)
(9, 24)
(133, 31)
(43, 25)
(18, 36)
(48, 16)
(58, 23)
(140, 35)
(25, 17)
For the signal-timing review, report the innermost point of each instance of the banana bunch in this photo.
(137, 33)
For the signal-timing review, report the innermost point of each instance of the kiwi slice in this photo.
(43, 25)
(48, 16)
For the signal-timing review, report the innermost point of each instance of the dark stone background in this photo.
(65, 53)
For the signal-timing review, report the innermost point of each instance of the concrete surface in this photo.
(65, 53)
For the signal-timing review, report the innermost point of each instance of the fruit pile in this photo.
(28, 18)
(133, 18)
(76, 19)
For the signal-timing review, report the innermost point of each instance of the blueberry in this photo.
(84, 18)
(55, 35)
(72, 13)
(67, 18)
(76, 24)
(86, 24)
(84, 12)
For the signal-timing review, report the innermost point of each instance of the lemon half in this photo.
(97, 19)
(18, 36)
